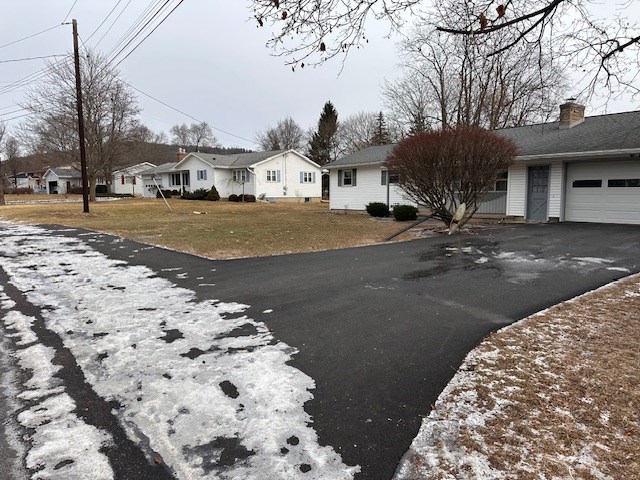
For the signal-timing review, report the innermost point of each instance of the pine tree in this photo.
(381, 135)
(322, 143)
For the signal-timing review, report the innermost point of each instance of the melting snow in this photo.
(210, 387)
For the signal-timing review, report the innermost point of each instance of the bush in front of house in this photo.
(234, 198)
(74, 190)
(402, 213)
(247, 198)
(199, 194)
(213, 195)
(19, 190)
(377, 209)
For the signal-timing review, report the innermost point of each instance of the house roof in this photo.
(238, 160)
(134, 169)
(367, 156)
(164, 168)
(601, 133)
(65, 172)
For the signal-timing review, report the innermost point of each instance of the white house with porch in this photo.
(284, 175)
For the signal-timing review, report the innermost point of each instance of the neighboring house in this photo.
(361, 178)
(32, 180)
(62, 179)
(583, 169)
(128, 180)
(282, 175)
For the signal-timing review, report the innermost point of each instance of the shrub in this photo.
(74, 190)
(213, 195)
(234, 198)
(247, 198)
(166, 193)
(199, 194)
(378, 209)
(403, 213)
(19, 190)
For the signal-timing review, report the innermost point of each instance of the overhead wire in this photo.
(69, 12)
(31, 58)
(30, 36)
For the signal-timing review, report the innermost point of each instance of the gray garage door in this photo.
(607, 192)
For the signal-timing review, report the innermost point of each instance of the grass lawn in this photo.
(221, 230)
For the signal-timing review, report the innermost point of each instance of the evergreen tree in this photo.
(381, 134)
(323, 141)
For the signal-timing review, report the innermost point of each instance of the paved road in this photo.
(382, 329)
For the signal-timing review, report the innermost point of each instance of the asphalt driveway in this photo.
(382, 329)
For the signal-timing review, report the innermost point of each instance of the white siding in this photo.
(556, 181)
(368, 188)
(517, 190)
(227, 186)
(290, 166)
(128, 187)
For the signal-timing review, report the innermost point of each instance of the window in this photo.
(624, 182)
(347, 178)
(307, 177)
(587, 183)
(175, 179)
(240, 176)
(185, 178)
(393, 177)
(201, 174)
(500, 184)
(273, 175)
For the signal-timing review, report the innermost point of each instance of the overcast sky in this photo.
(207, 60)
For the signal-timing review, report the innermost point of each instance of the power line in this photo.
(187, 115)
(30, 36)
(31, 58)
(112, 24)
(69, 12)
(105, 19)
(154, 29)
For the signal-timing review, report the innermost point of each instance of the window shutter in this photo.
(313, 177)
(339, 178)
(134, 180)
(353, 176)
(278, 176)
(383, 179)
(247, 176)
(301, 177)
(122, 179)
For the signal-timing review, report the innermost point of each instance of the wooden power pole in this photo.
(83, 153)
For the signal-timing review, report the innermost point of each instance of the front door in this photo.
(538, 193)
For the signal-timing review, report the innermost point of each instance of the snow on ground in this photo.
(554, 396)
(61, 445)
(209, 387)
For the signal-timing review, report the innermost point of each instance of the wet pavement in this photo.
(382, 329)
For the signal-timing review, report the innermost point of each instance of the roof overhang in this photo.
(354, 165)
(592, 155)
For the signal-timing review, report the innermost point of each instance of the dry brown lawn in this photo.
(555, 396)
(220, 230)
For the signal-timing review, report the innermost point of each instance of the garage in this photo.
(605, 192)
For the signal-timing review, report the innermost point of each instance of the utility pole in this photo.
(83, 153)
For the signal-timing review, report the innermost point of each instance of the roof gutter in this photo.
(582, 155)
(350, 165)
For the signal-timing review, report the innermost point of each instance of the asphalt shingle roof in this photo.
(617, 131)
(164, 168)
(239, 160)
(66, 172)
(598, 133)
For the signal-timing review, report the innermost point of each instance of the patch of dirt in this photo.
(555, 396)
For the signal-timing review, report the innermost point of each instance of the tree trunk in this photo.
(92, 188)
(2, 202)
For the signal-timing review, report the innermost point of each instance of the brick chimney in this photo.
(181, 154)
(571, 114)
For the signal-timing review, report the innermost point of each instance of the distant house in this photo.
(32, 180)
(62, 179)
(128, 180)
(581, 169)
(282, 175)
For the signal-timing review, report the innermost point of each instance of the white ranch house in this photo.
(128, 180)
(62, 179)
(284, 175)
(581, 169)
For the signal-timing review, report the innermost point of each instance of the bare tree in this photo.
(446, 168)
(286, 135)
(12, 151)
(195, 135)
(356, 132)
(447, 83)
(201, 135)
(604, 43)
(110, 110)
(180, 135)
